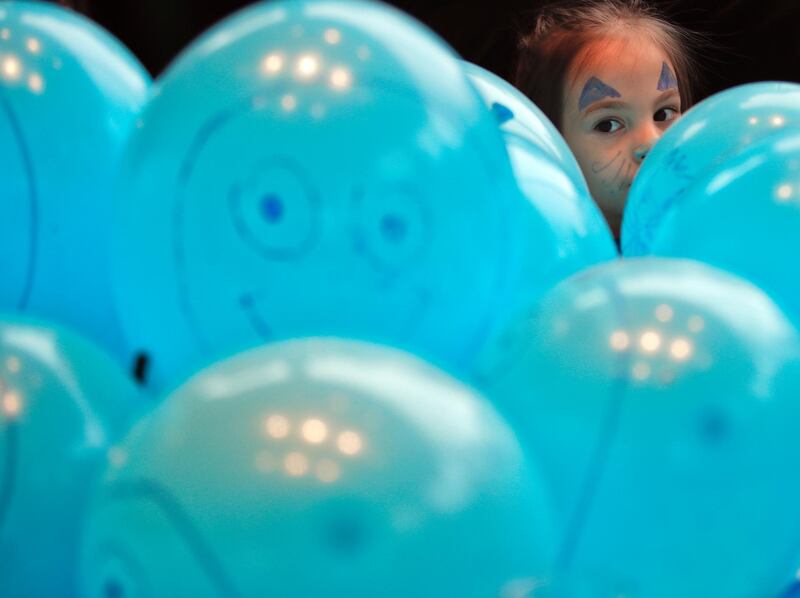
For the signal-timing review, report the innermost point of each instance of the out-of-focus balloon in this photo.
(661, 398)
(69, 95)
(319, 467)
(745, 219)
(698, 145)
(63, 402)
(313, 168)
(565, 233)
(519, 117)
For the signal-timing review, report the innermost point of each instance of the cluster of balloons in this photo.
(383, 341)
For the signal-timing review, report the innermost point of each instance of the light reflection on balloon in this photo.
(660, 396)
(361, 460)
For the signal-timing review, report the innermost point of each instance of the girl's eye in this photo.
(608, 126)
(666, 114)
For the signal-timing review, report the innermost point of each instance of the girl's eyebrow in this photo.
(613, 104)
(595, 90)
(606, 104)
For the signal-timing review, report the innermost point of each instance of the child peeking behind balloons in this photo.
(612, 75)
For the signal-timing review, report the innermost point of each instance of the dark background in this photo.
(750, 40)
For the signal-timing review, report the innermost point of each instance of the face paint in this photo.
(613, 113)
(595, 90)
(667, 79)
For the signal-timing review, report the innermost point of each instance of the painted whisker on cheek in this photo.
(619, 170)
(609, 163)
(624, 179)
(617, 182)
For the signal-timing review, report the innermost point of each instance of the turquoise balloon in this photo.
(318, 467)
(69, 94)
(698, 145)
(312, 168)
(661, 399)
(745, 219)
(563, 231)
(519, 117)
(63, 403)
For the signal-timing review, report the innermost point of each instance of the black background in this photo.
(750, 40)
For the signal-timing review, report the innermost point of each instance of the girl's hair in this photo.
(562, 30)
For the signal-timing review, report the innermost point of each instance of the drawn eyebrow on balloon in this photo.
(667, 79)
(595, 90)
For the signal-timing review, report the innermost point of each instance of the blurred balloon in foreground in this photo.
(63, 402)
(661, 398)
(69, 94)
(313, 168)
(746, 219)
(318, 467)
(519, 117)
(697, 146)
(560, 233)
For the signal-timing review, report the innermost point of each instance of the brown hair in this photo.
(562, 30)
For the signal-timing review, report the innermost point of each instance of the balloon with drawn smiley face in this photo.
(312, 168)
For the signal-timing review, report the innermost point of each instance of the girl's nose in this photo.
(640, 151)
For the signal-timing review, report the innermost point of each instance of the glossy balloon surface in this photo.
(319, 467)
(69, 95)
(519, 117)
(565, 231)
(313, 168)
(698, 145)
(63, 403)
(660, 396)
(745, 219)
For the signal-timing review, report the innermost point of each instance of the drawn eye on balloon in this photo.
(116, 566)
(391, 228)
(120, 575)
(276, 210)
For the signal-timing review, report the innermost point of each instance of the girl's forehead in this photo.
(629, 62)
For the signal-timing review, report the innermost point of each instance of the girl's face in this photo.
(617, 104)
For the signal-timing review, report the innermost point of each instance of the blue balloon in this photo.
(745, 219)
(519, 117)
(661, 398)
(318, 467)
(63, 403)
(698, 145)
(313, 168)
(69, 94)
(564, 230)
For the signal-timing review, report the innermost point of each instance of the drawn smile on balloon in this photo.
(395, 314)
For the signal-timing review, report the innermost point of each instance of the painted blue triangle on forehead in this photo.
(595, 90)
(667, 79)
